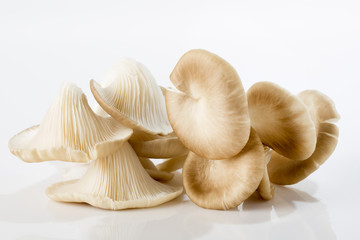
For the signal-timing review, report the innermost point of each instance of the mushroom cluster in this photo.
(229, 143)
(117, 177)
(241, 142)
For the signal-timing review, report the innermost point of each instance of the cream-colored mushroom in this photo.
(281, 120)
(224, 184)
(70, 131)
(130, 94)
(286, 171)
(209, 111)
(117, 181)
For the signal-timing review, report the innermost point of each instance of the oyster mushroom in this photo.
(209, 111)
(286, 171)
(130, 95)
(117, 181)
(70, 131)
(281, 120)
(226, 183)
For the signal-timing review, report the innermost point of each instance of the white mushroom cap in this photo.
(281, 120)
(286, 171)
(209, 113)
(131, 95)
(117, 181)
(70, 131)
(227, 183)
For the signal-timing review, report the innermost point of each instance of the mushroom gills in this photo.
(70, 131)
(117, 181)
(129, 94)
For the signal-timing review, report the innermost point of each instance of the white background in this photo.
(296, 44)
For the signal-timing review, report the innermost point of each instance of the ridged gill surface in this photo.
(131, 89)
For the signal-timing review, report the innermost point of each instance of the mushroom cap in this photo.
(281, 120)
(286, 171)
(115, 182)
(131, 95)
(168, 147)
(227, 183)
(209, 113)
(70, 131)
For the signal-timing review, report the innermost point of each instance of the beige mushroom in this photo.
(130, 94)
(286, 171)
(209, 111)
(281, 120)
(70, 131)
(225, 184)
(115, 182)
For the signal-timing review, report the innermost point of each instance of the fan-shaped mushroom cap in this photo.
(209, 114)
(281, 120)
(159, 148)
(70, 131)
(117, 181)
(130, 94)
(286, 171)
(227, 183)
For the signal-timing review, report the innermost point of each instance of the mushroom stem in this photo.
(153, 171)
(159, 148)
(265, 189)
(173, 164)
(117, 181)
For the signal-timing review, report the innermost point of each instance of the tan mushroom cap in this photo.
(209, 114)
(227, 183)
(115, 182)
(131, 95)
(281, 120)
(159, 148)
(285, 171)
(70, 131)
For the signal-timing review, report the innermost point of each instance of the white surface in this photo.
(299, 45)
